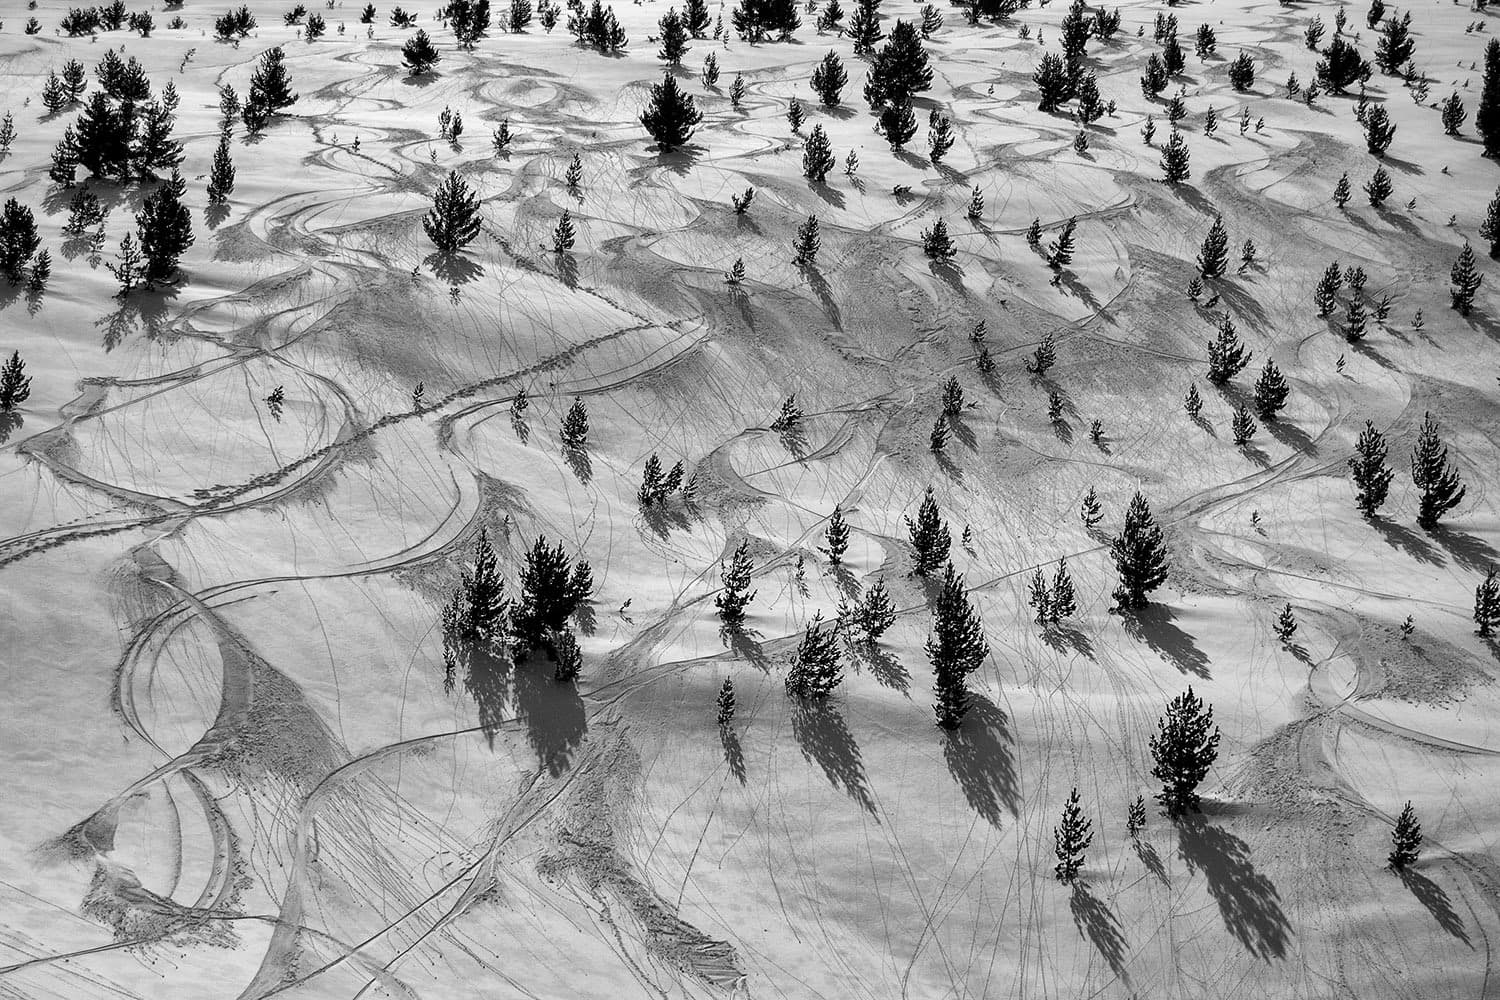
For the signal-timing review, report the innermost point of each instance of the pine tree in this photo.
(1060, 253)
(1064, 597)
(673, 34)
(270, 85)
(1089, 509)
(1172, 56)
(710, 69)
(41, 272)
(976, 206)
(735, 576)
(939, 137)
(563, 236)
(419, 54)
(1431, 474)
(828, 79)
(696, 18)
(864, 26)
(900, 69)
(1341, 65)
(1135, 817)
(1406, 840)
(805, 247)
(15, 384)
(956, 648)
(1487, 118)
(102, 139)
(1054, 86)
(569, 657)
(1489, 229)
(1341, 190)
(737, 91)
(1325, 295)
(1242, 72)
(1071, 839)
(1184, 749)
(1372, 478)
(166, 231)
(1453, 113)
(1395, 46)
(1193, 402)
(833, 13)
(1214, 257)
(1039, 597)
(18, 239)
(1091, 106)
(1175, 160)
(1210, 121)
(575, 426)
(929, 536)
(1243, 425)
(898, 123)
(837, 536)
(672, 116)
(736, 273)
(1140, 555)
(724, 704)
(453, 222)
(875, 613)
(1270, 391)
(1206, 42)
(1354, 318)
(553, 588)
(937, 244)
(1286, 624)
(75, 79)
(1226, 355)
(938, 439)
(1034, 234)
(1148, 130)
(128, 266)
(221, 174)
(1379, 130)
(1154, 80)
(815, 669)
(1486, 595)
(1466, 280)
(817, 156)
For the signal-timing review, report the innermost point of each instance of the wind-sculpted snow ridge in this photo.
(251, 755)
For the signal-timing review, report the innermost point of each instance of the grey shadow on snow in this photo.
(1291, 436)
(552, 711)
(1469, 551)
(578, 460)
(744, 644)
(143, 312)
(884, 667)
(454, 268)
(1248, 901)
(1151, 860)
(1096, 920)
(1154, 625)
(1435, 900)
(734, 754)
(1063, 637)
(978, 755)
(487, 679)
(1402, 538)
(824, 738)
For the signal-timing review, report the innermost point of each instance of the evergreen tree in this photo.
(1044, 357)
(1466, 280)
(875, 613)
(938, 439)
(1071, 839)
(18, 239)
(1372, 478)
(1270, 391)
(1135, 817)
(900, 69)
(41, 271)
(573, 175)
(569, 656)
(1242, 72)
(1341, 66)
(1354, 318)
(270, 85)
(575, 426)
(1034, 235)
(1286, 624)
(929, 536)
(672, 116)
(166, 231)
(1090, 107)
(15, 384)
(1379, 130)
(1214, 257)
(1193, 402)
(1074, 32)
(837, 536)
(563, 236)
(453, 221)
(419, 54)
(1140, 555)
(817, 156)
(1325, 295)
(129, 265)
(1175, 160)
(1243, 425)
(956, 648)
(737, 91)
(672, 32)
(735, 576)
(1489, 229)
(1406, 840)
(1039, 597)
(953, 398)
(1184, 747)
(1226, 355)
(1453, 113)
(939, 137)
(864, 26)
(553, 588)
(695, 18)
(937, 244)
(1341, 190)
(1487, 118)
(1089, 510)
(828, 79)
(1486, 595)
(724, 705)
(1064, 597)
(805, 247)
(1053, 84)
(1375, 13)
(1431, 474)
(1396, 45)
(221, 174)
(833, 13)
(710, 70)
(898, 123)
(1060, 252)
(74, 78)
(815, 669)
(976, 206)
(1172, 56)
(103, 137)
(1154, 80)
(1206, 42)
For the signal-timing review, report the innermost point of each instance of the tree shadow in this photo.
(487, 679)
(963, 432)
(661, 518)
(215, 214)
(552, 710)
(578, 460)
(1069, 283)
(567, 270)
(1154, 626)
(978, 755)
(1291, 436)
(948, 273)
(1435, 899)
(9, 424)
(1097, 922)
(78, 244)
(887, 670)
(794, 439)
(1400, 537)
(1469, 551)
(845, 581)
(1255, 454)
(734, 754)
(830, 195)
(454, 268)
(1248, 901)
(819, 729)
(521, 427)
(949, 467)
(1062, 637)
(819, 286)
(1205, 426)
(743, 643)
(142, 312)
(1151, 860)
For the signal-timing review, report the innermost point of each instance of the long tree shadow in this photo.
(552, 710)
(734, 754)
(1435, 899)
(884, 667)
(578, 460)
(487, 678)
(1248, 902)
(978, 755)
(1469, 551)
(1097, 922)
(1063, 637)
(454, 268)
(744, 644)
(1399, 536)
(1292, 436)
(1151, 860)
(1154, 626)
(141, 312)
(820, 730)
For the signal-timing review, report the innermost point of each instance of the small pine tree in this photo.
(1242, 72)
(1140, 555)
(817, 156)
(569, 657)
(710, 69)
(453, 222)
(1184, 748)
(1372, 478)
(1489, 229)
(575, 426)
(929, 536)
(41, 272)
(1453, 114)
(1243, 425)
(736, 272)
(1325, 295)
(1193, 402)
(1034, 234)
(1286, 624)
(939, 137)
(1227, 357)
(221, 174)
(1154, 80)
(1071, 838)
(672, 115)
(15, 384)
(938, 440)
(1466, 280)
(805, 247)
(1135, 817)
(1039, 597)
(837, 536)
(18, 239)
(1213, 258)
(1175, 160)
(1060, 252)
(815, 669)
(563, 236)
(736, 91)
(1380, 131)
(270, 85)
(956, 647)
(673, 34)
(1379, 187)
(1341, 190)
(1433, 476)
(1064, 596)
(795, 115)
(875, 613)
(129, 265)
(1053, 83)
(1089, 510)
(1486, 595)
(937, 244)
(165, 231)
(724, 704)
(828, 79)
(1270, 391)
(735, 576)
(898, 123)
(1406, 840)
(976, 206)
